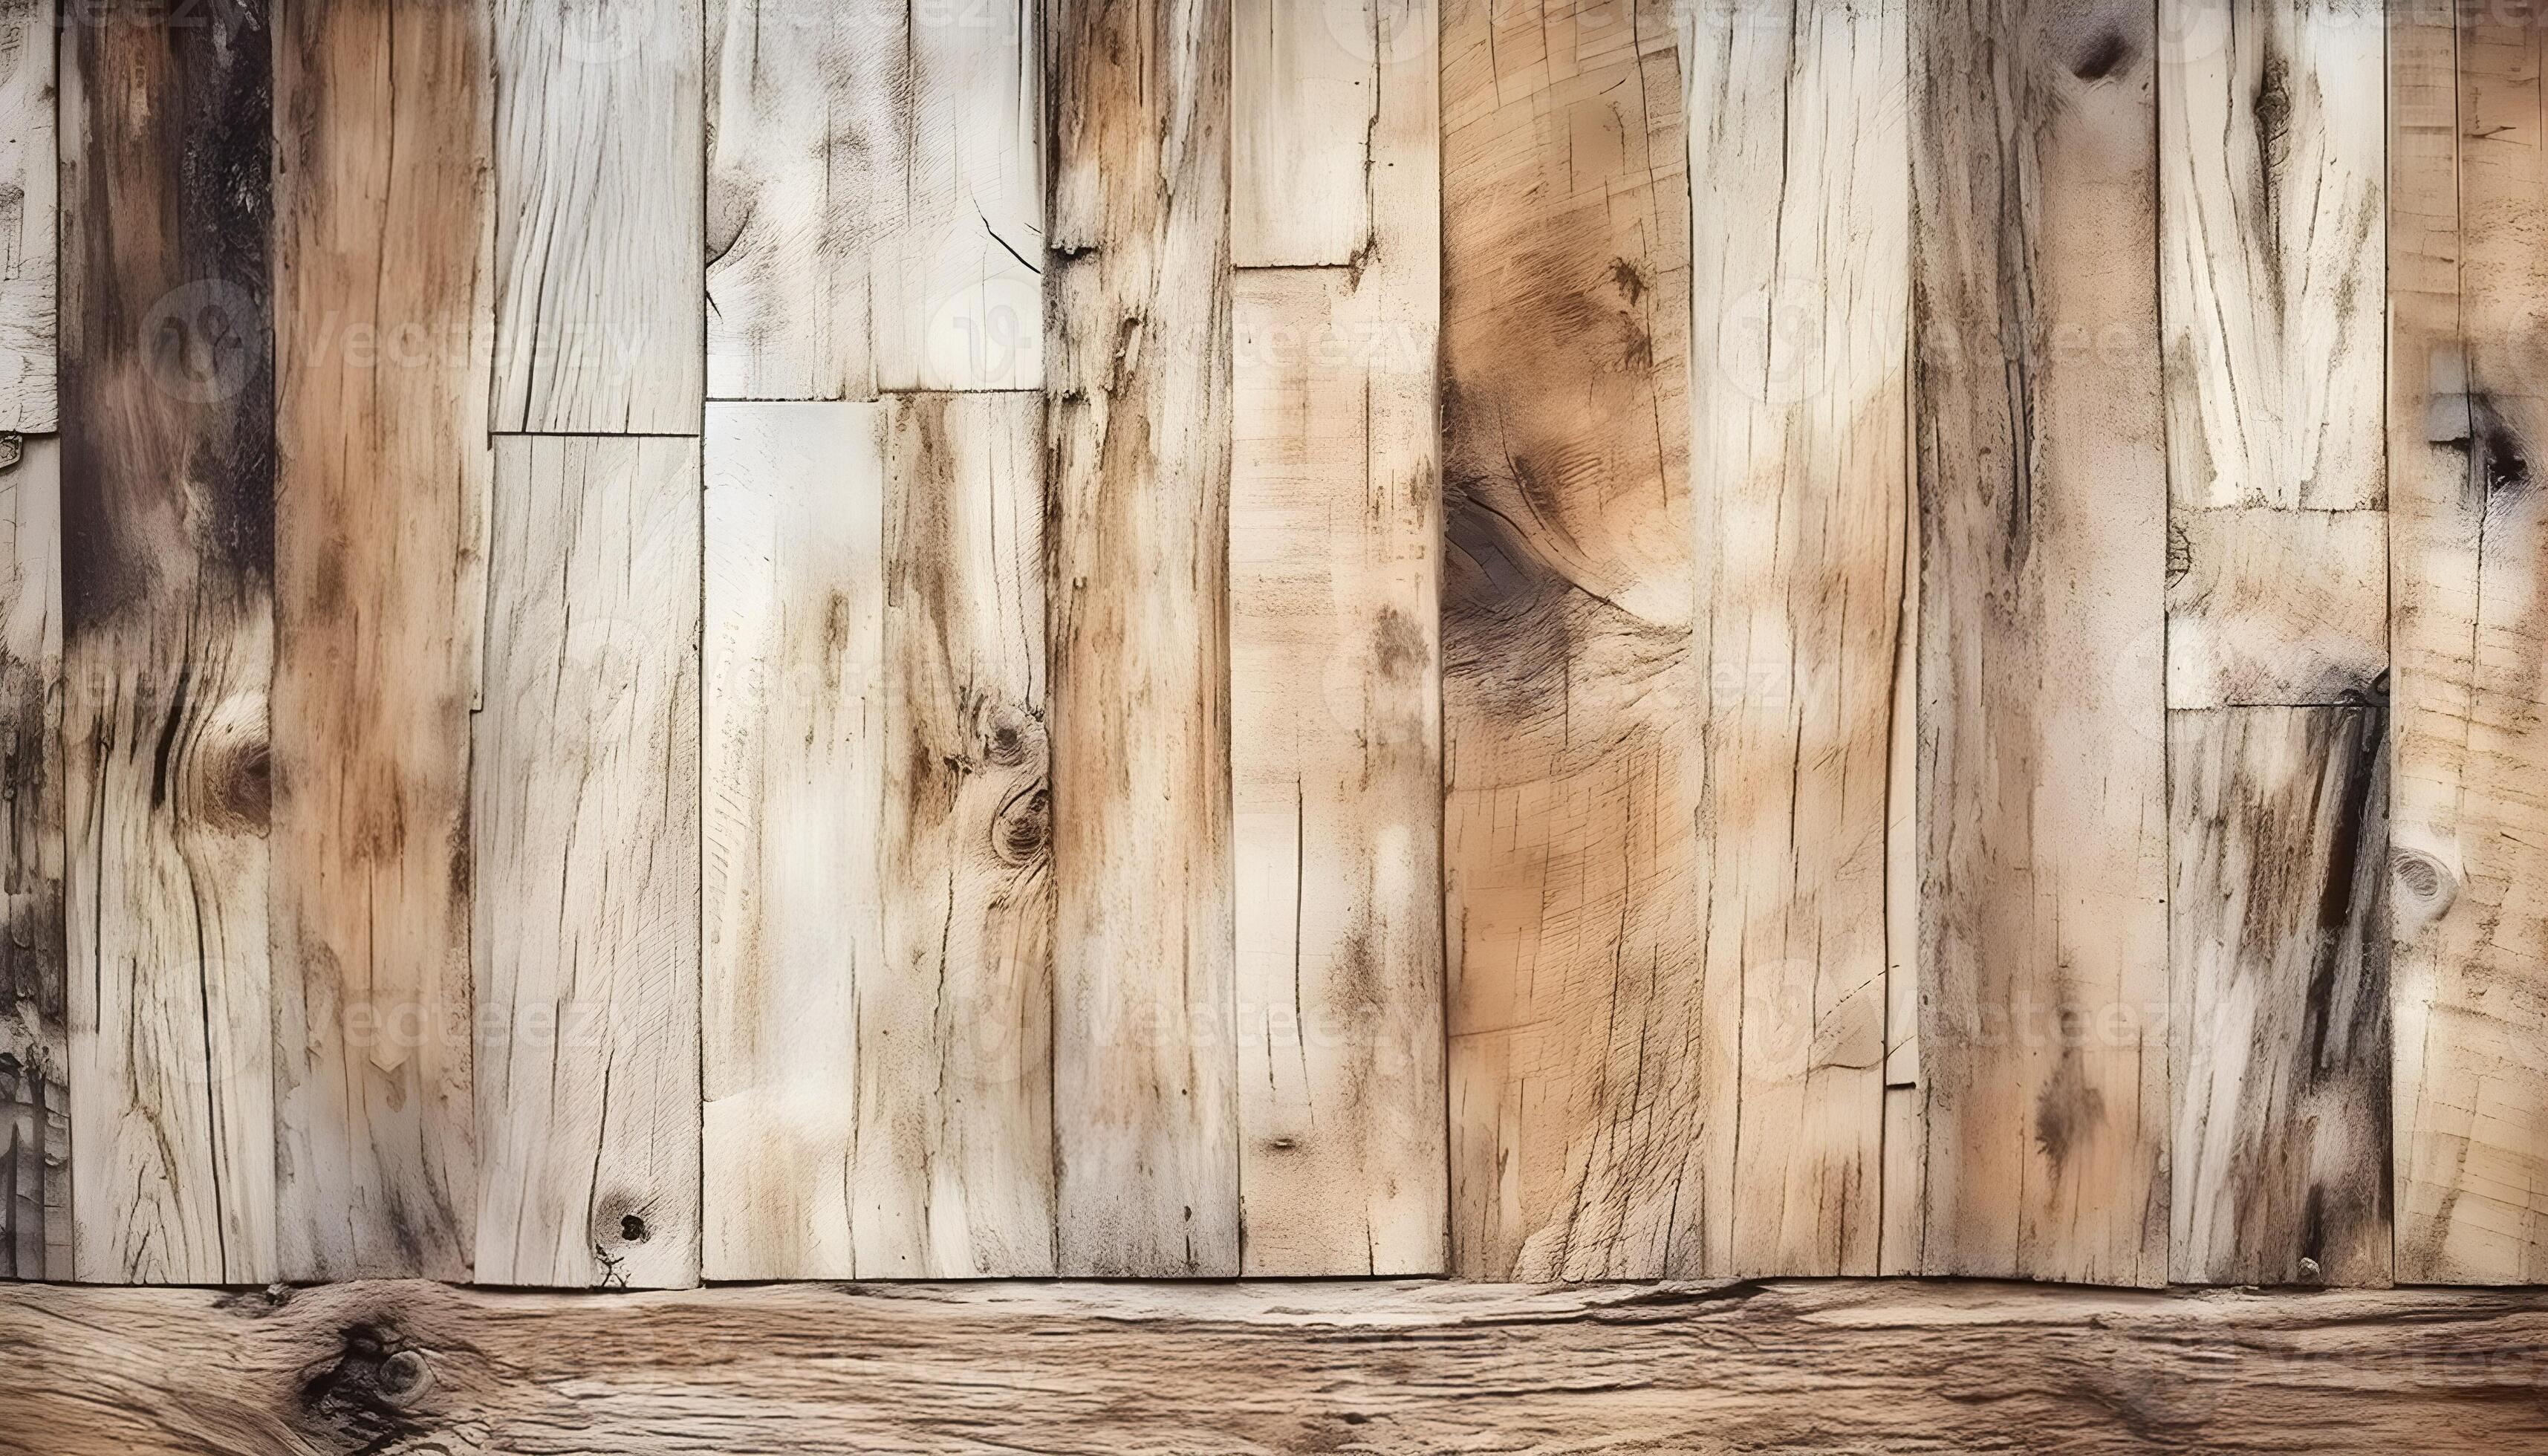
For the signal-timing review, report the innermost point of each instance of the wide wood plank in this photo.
(597, 195)
(35, 1020)
(1579, 1121)
(2468, 415)
(168, 630)
(1808, 1367)
(793, 804)
(1802, 481)
(874, 199)
(2042, 781)
(1145, 1097)
(380, 495)
(587, 852)
(29, 189)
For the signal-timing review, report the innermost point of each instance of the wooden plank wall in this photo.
(1559, 639)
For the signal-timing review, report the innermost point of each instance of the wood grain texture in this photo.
(874, 198)
(597, 195)
(2042, 787)
(1304, 96)
(793, 796)
(34, 1008)
(380, 271)
(2279, 945)
(2268, 605)
(1388, 1368)
(28, 193)
(2468, 418)
(1578, 1117)
(587, 848)
(1801, 484)
(1145, 1096)
(167, 570)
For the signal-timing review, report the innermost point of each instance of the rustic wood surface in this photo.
(1819, 1367)
(34, 1005)
(28, 193)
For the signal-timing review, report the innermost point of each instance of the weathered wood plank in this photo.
(380, 245)
(954, 1169)
(29, 189)
(585, 826)
(1809, 1367)
(2267, 605)
(2468, 427)
(793, 802)
(2043, 789)
(2280, 950)
(597, 194)
(1802, 478)
(1567, 686)
(1304, 95)
(35, 1020)
(874, 199)
(1145, 1097)
(167, 570)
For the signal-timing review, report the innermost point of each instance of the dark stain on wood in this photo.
(2108, 54)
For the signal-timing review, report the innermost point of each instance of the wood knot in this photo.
(2426, 885)
(404, 1377)
(1024, 825)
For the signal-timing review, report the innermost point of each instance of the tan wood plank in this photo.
(793, 804)
(597, 195)
(587, 833)
(1823, 1366)
(1304, 95)
(2469, 317)
(34, 1021)
(1801, 485)
(380, 317)
(2043, 789)
(953, 1176)
(1146, 1101)
(2280, 947)
(28, 195)
(168, 630)
(1578, 1117)
(874, 199)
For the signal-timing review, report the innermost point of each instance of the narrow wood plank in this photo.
(1304, 96)
(35, 1020)
(874, 199)
(1579, 1118)
(168, 631)
(2468, 415)
(953, 1176)
(1075, 1368)
(28, 204)
(1145, 1097)
(2043, 789)
(1801, 480)
(794, 794)
(383, 467)
(585, 826)
(2280, 950)
(599, 113)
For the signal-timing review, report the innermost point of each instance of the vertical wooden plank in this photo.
(2042, 490)
(27, 193)
(2272, 144)
(34, 1031)
(954, 1171)
(1138, 376)
(167, 570)
(586, 824)
(597, 194)
(794, 811)
(2468, 418)
(874, 199)
(1304, 95)
(383, 469)
(1578, 1118)
(1802, 491)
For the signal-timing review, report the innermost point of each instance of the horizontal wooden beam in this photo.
(1825, 1366)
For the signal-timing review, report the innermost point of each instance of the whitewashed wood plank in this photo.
(1304, 95)
(586, 855)
(597, 195)
(27, 193)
